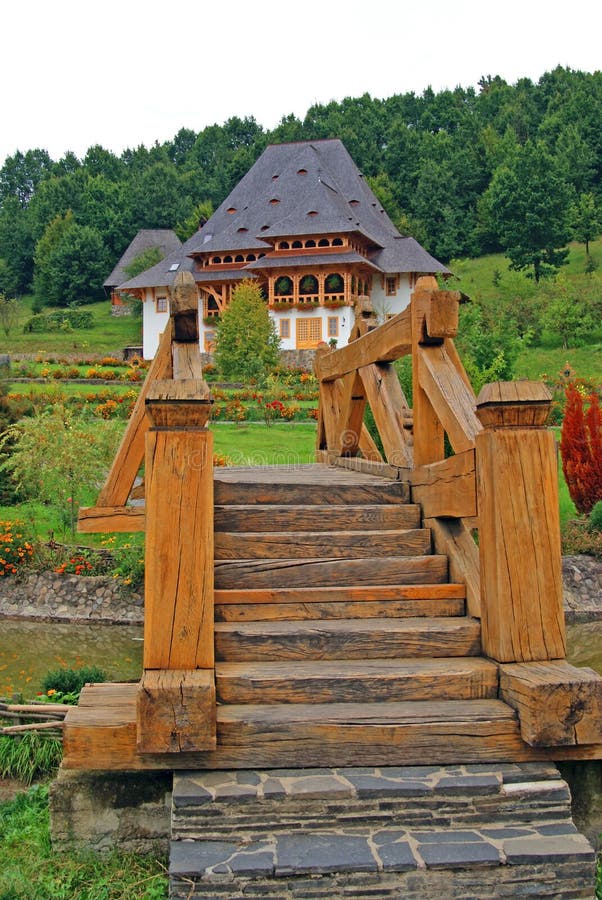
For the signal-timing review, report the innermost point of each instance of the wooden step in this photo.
(288, 573)
(100, 735)
(347, 639)
(362, 681)
(331, 517)
(324, 544)
(364, 734)
(371, 601)
(376, 491)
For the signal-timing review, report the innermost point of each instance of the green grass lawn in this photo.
(31, 868)
(255, 444)
(110, 334)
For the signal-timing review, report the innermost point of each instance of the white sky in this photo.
(126, 72)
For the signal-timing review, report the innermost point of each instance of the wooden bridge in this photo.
(343, 613)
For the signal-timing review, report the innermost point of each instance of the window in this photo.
(174, 267)
(333, 326)
(390, 285)
(161, 304)
(285, 328)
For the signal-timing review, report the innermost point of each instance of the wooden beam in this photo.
(178, 615)
(368, 448)
(186, 360)
(557, 704)
(388, 405)
(449, 396)
(519, 541)
(184, 308)
(175, 711)
(446, 488)
(130, 455)
(384, 344)
(126, 519)
(452, 538)
(353, 405)
(428, 432)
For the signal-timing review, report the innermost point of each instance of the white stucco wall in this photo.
(154, 323)
(385, 306)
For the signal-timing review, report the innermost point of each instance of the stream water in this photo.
(28, 650)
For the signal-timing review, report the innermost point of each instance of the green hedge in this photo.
(64, 320)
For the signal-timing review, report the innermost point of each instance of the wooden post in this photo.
(428, 431)
(176, 703)
(519, 529)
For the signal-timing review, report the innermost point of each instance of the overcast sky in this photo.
(126, 72)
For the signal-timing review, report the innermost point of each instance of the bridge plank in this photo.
(327, 544)
(300, 573)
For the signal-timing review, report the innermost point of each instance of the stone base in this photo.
(102, 811)
(421, 833)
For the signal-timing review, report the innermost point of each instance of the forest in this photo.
(502, 168)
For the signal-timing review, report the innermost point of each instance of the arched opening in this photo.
(337, 242)
(310, 243)
(297, 245)
(308, 285)
(323, 242)
(283, 286)
(334, 284)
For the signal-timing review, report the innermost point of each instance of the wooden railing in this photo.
(501, 477)
(168, 432)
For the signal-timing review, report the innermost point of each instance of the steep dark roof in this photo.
(164, 238)
(304, 188)
(161, 275)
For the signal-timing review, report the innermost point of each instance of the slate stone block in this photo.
(449, 855)
(553, 848)
(322, 853)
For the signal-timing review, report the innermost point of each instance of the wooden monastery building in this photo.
(305, 224)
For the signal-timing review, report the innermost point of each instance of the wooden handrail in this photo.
(492, 480)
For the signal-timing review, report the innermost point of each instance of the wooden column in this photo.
(428, 431)
(519, 531)
(176, 699)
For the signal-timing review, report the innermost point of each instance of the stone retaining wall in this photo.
(69, 598)
(65, 598)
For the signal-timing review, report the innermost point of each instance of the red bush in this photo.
(581, 449)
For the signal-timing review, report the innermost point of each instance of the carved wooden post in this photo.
(519, 530)
(176, 698)
(428, 431)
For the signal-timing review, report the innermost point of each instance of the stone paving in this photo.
(365, 832)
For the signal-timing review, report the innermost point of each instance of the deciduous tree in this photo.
(529, 202)
(246, 344)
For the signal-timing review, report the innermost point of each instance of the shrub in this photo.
(581, 449)
(577, 537)
(595, 517)
(70, 681)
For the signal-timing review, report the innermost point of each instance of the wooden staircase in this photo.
(342, 646)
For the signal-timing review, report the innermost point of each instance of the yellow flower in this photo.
(51, 692)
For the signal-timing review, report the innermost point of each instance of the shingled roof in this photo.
(164, 239)
(306, 188)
